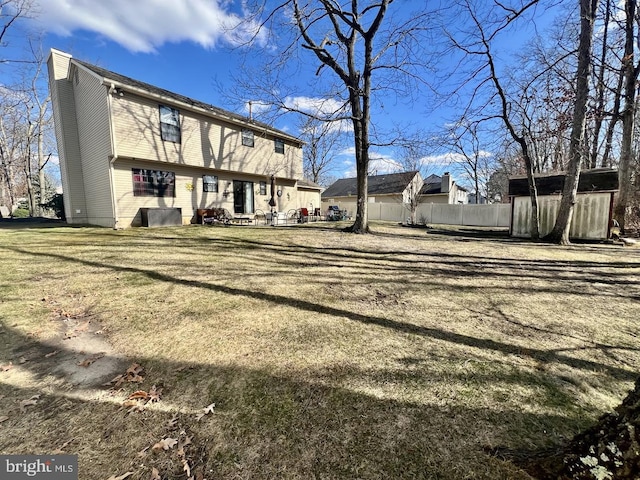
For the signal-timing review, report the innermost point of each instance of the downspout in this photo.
(113, 157)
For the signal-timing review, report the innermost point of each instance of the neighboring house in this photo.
(592, 215)
(125, 145)
(390, 188)
(471, 198)
(398, 188)
(443, 189)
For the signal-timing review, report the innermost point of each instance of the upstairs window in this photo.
(279, 145)
(247, 138)
(153, 183)
(209, 183)
(169, 124)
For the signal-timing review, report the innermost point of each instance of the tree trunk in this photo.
(609, 450)
(600, 87)
(560, 232)
(628, 120)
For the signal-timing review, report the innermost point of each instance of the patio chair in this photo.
(292, 216)
(260, 216)
(304, 215)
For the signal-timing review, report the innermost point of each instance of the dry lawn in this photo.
(402, 354)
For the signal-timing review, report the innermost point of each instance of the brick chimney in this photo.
(446, 183)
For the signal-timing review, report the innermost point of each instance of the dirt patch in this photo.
(80, 356)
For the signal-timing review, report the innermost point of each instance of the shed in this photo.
(592, 215)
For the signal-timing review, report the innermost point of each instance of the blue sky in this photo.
(183, 46)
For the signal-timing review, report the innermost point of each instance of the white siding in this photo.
(95, 146)
(590, 216)
(205, 142)
(66, 128)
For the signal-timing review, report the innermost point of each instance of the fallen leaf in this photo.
(129, 403)
(3, 418)
(165, 444)
(51, 354)
(121, 477)
(206, 410)
(115, 381)
(139, 394)
(155, 394)
(155, 474)
(22, 360)
(27, 403)
(89, 360)
(186, 467)
(6, 368)
(134, 369)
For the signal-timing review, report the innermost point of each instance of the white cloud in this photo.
(379, 163)
(144, 25)
(450, 158)
(316, 106)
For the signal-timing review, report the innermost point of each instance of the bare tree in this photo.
(577, 151)
(358, 48)
(11, 12)
(25, 127)
(480, 46)
(323, 141)
(631, 71)
(474, 160)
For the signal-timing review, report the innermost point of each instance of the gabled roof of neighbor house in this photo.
(388, 184)
(433, 185)
(596, 180)
(136, 86)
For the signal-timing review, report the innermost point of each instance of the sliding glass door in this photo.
(242, 197)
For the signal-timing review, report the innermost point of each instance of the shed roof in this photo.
(596, 180)
(391, 183)
(308, 184)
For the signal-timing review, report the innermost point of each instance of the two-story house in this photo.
(125, 145)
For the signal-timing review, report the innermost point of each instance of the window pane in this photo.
(209, 183)
(169, 115)
(263, 188)
(153, 183)
(247, 138)
(279, 145)
(169, 124)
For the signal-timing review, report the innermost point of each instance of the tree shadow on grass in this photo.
(267, 425)
(540, 355)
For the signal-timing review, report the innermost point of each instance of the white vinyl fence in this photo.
(495, 215)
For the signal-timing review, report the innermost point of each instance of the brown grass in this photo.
(402, 354)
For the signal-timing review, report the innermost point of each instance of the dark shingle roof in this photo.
(392, 183)
(597, 180)
(128, 81)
